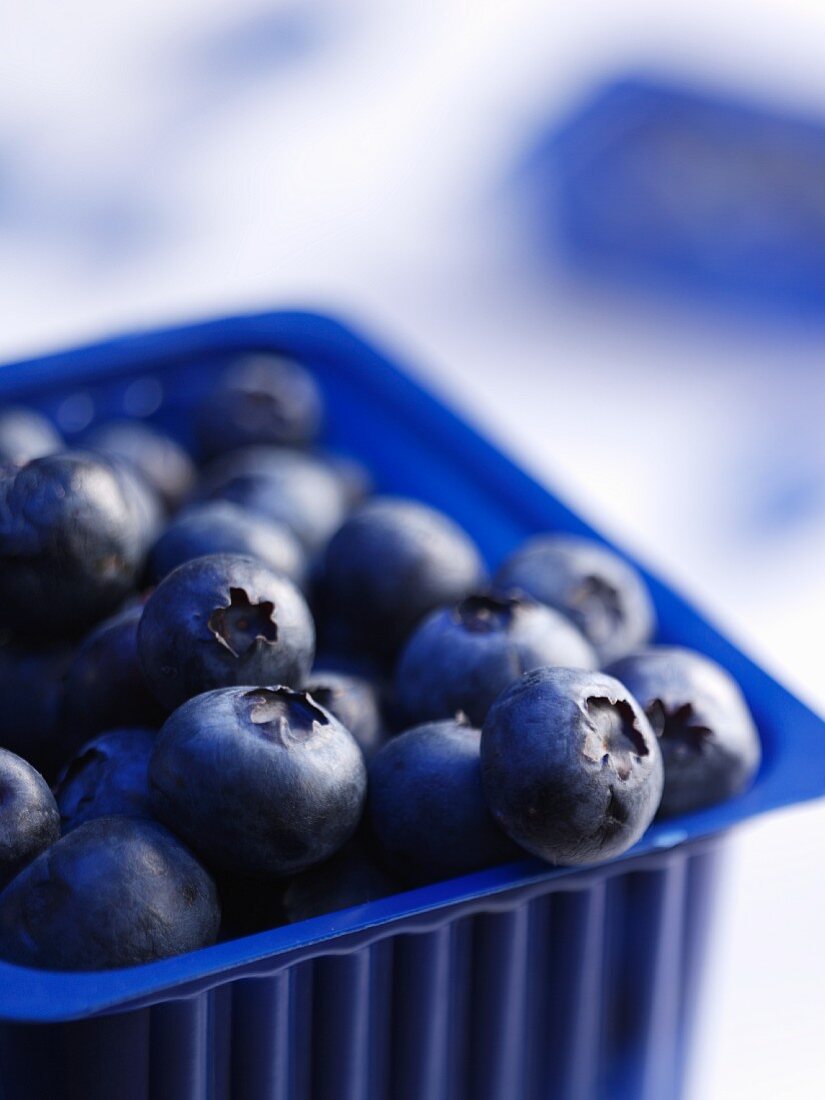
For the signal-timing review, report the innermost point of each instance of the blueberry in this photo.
(352, 877)
(571, 768)
(599, 591)
(114, 892)
(31, 682)
(708, 739)
(29, 821)
(462, 657)
(260, 399)
(260, 781)
(427, 808)
(158, 458)
(108, 777)
(71, 544)
(356, 480)
(223, 620)
(224, 528)
(142, 499)
(104, 687)
(353, 701)
(26, 434)
(285, 486)
(392, 561)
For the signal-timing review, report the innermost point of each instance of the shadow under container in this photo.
(522, 982)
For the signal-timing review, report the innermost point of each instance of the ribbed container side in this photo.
(95, 1059)
(584, 992)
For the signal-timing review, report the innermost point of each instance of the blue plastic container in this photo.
(517, 982)
(670, 185)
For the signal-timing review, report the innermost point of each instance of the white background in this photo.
(170, 159)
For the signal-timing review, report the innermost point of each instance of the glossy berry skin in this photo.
(353, 700)
(571, 768)
(108, 777)
(260, 781)
(392, 562)
(708, 739)
(29, 820)
(426, 805)
(26, 434)
(142, 498)
(221, 527)
(157, 457)
(114, 892)
(286, 486)
(261, 399)
(223, 620)
(71, 544)
(31, 682)
(596, 589)
(104, 687)
(462, 657)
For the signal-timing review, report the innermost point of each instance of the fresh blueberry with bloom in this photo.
(392, 561)
(462, 657)
(708, 739)
(116, 891)
(26, 434)
(29, 819)
(104, 686)
(596, 589)
(223, 620)
(221, 527)
(259, 780)
(285, 486)
(353, 700)
(260, 398)
(426, 804)
(159, 459)
(71, 544)
(31, 682)
(109, 776)
(571, 767)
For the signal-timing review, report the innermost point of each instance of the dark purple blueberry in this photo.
(260, 781)
(285, 486)
(108, 777)
(571, 768)
(427, 808)
(706, 733)
(219, 621)
(158, 458)
(392, 562)
(596, 589)
(461, 658)
(224, 528)
(26, 434)
(353, 700)
(29, 821)
(71, 544)
(260, 399)
(114, 892)
(104, 687)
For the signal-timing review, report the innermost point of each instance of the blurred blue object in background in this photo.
(664, 185)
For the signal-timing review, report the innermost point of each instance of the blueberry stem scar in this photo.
(241, 624)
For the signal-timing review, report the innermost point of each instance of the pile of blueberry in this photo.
(253, 692)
